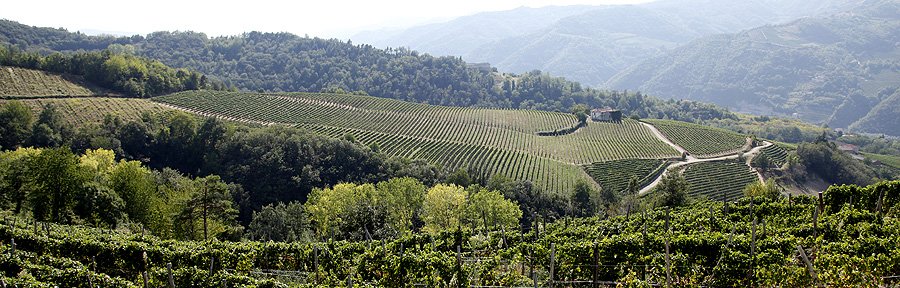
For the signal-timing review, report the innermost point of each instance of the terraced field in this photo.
(776, 154)
(715, 180)
(616, 174)
(23, 83)
(79, 111)
(699, 140)
(485, 141)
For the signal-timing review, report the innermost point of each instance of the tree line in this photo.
(119, 72)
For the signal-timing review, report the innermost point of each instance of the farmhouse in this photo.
(606, 114)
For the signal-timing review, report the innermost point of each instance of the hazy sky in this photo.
(323, 18)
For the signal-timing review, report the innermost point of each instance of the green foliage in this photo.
(826, 161)
(128, 74)
(672, 190)
(56, 181)
(492, 209)
(585, 199)
(765, 190)
(853, 246)
(444, 208)
(279, 222)
(209, 210)
(15, 124)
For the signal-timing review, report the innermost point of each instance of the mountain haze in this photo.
(597, 42)
(830, 70)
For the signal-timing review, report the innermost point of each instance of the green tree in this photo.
(134, 184)
(15, 177)
(15, 124)
(444, 208)
(403, 197)
(56, 181)
(584, 199)
(460, 177)
(50, 130)
(488, 209)
(672, 190)
(279, 222)
(212, 205)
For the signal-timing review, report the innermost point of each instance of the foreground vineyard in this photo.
(23, 83)
(83, 111)
(718, 180)
(699, 140)
(485, 141)
(846, 243)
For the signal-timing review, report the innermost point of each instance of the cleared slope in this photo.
(79, 111)
(23, 83)
(485, 141)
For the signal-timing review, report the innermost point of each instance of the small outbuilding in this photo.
(606, 114)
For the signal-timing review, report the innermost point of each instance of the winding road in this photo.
(691, 159)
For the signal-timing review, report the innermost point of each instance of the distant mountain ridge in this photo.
(829, 70)
(596, 42)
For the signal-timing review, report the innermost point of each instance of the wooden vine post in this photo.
(668, 256)
(596, 275)
(552, 263)
(171, 277)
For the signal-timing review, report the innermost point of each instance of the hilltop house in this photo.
(606, 114)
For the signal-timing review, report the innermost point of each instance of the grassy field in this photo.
(715, 180)
(24, 83)
(79, 111)
(701, 141)
(485, 141)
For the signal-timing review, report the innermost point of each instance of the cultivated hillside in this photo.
(19, 82)
(483, 141)
(830, 70)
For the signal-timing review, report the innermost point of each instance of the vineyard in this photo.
(484, 141)
(699, 140)
(616, 174)
(24, 83)
(776, 154)
(715, 180)
(83, 111)
(785, 243)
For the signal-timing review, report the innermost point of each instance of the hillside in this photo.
(462, 35)
(828, 70)
(84, 111)
(483, 141)
(18, 82)
(599, 41)
(273, 62)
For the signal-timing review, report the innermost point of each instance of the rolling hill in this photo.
(483, 141)
(830, 70)
(599, 41)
